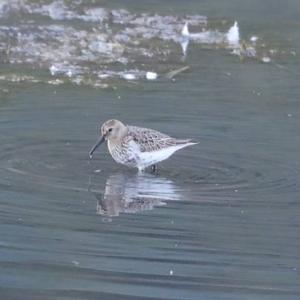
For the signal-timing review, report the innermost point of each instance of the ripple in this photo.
(239, 176)
(45, 164)
(52, 165)
(177, 251)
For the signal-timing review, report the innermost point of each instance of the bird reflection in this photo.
(132, 193)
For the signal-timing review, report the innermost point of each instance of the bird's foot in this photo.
(154, 169)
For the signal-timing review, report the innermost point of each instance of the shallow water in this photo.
(220, 220)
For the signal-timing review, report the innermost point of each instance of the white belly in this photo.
(133, 157)
(150, 158)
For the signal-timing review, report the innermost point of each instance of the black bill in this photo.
(101, 140)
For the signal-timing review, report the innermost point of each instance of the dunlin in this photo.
(138, 147)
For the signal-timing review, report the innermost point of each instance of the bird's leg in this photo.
(153, 169)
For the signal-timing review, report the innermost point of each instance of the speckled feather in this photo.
(136, 146)
(142, 147)
(151, 140)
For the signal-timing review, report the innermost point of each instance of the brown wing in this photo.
(150, 140)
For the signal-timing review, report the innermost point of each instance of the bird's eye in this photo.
(110, 129)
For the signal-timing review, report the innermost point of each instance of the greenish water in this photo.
(220, 220)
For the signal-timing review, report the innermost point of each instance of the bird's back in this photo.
(150, 140)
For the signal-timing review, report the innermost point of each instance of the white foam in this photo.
(55, 10)
(128, 76)
(11, 6)
(266, 59)
(253, 39)
(151, 75)
(98, 14)
(185, 30)
(233, 35)
(103, 45)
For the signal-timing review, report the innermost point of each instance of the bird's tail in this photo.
(187, 142)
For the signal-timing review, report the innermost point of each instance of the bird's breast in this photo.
(123, 153)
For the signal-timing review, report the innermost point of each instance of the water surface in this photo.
(220, 220)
